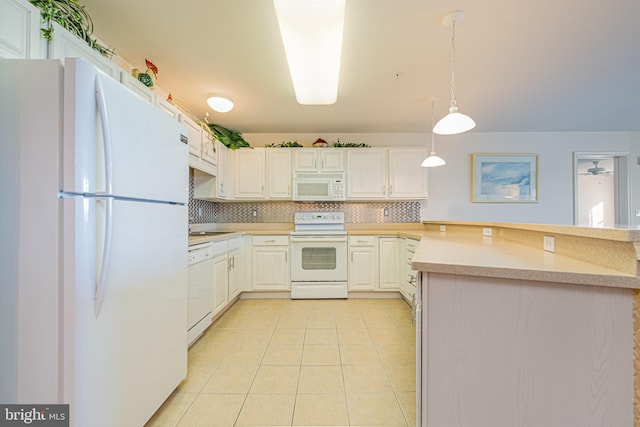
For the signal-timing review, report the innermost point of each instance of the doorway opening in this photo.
(601, 189)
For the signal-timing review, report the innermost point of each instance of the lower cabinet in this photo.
(220, 276)
(270, 262)
(389, 262)
(410, 276)
(363, 263)
(236, 265)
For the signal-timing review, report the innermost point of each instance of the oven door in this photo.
(319, 258)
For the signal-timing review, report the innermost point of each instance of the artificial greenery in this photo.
(72, 16)
(283, 144)
(339, 144)
(233, 140)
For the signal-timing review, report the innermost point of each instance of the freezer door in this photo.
(125, 308)
(116, 143)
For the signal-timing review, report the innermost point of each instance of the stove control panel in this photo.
(319, 218)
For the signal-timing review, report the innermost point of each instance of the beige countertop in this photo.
(467, 252)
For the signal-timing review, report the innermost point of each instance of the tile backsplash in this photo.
(203, 211)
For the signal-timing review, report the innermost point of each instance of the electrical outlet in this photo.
(386, 211)
(254, 213)
(487, 232)
(443, 228)
(549, 243)
(638, 212)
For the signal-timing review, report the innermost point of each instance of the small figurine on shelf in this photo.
(320, 143)
(170, 100)
(149, 77)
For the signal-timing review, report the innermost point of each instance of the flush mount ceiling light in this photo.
(433, 160)
(454, 122)
(311, 32)
(220, 103)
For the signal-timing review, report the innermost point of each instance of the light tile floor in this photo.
(278, 362)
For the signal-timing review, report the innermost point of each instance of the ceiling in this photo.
(547, 65)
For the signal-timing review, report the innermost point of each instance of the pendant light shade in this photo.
(433, 160)
(454, 122)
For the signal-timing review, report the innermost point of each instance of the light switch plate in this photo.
(549, 243)
(487, 232)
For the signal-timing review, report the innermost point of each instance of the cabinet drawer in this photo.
(362, 240)
(219, 248)
(235, 243)
(270, 240)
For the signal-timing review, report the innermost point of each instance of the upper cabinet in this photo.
(20, 30)
(407, 179)
(137, 87)
(381, 173)
(367, 173)
(63, 44)
(250, 173)
(209, 153)
(195, 137)
(318, 159)
(279, 173)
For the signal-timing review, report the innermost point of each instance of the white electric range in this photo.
(319, 256)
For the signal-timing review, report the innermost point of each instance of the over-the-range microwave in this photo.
(315, 187)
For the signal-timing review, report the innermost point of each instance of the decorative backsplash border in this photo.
(203, 211)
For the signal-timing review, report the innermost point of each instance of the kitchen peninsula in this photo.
(512, 334)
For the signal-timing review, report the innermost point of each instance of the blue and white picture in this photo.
(504, 178)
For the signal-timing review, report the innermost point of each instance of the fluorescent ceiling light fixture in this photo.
(311, 32)
(220, 103)
(454, 122)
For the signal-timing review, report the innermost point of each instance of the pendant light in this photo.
(454, 122)
(433, 160)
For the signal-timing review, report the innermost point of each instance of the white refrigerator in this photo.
(93, 253)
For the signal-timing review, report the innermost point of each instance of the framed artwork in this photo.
(506, 178)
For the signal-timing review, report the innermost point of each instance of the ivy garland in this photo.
(72, 16)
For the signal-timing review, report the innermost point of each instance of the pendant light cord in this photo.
(453, 63)
(433, 145)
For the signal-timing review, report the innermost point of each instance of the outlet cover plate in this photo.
(487, 232)
(443, 228)
(549, 243)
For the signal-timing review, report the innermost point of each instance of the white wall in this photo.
(450, 185)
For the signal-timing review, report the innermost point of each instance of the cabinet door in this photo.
(137, 87)
(63, 44)
(407, 179)
(236, 273)
(168, 108)
(305, 159)
(271, 268)
(389, 263)
(279, 173)
(20, 30)
(209, 153)
(367, 173)
(195, 137)
(250, 173)
(363, 268)
(220, 283)
(332, 159)
(222, 184)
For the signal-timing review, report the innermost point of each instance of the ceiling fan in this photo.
(597, 170)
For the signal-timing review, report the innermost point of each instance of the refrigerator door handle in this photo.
(105, 258)
(106, 135)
